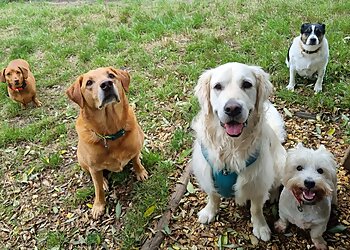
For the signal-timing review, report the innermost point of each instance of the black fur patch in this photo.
(288, 52)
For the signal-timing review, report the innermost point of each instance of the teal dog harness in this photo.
(224, 180)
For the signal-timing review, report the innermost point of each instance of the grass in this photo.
(165, 45)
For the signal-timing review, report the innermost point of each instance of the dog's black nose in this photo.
(232, 108)
(309, 183)
(313, 41)
(106, 86)
(16, 81)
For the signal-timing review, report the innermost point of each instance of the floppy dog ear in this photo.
(123, 77)
(24, 72)
(202, 91)
(264, 88)
(2, 75)
(74, 92)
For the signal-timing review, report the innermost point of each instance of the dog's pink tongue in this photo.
(233, 128)
(308, 194)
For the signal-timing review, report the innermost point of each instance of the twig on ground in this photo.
(153, 243)
(346, 159)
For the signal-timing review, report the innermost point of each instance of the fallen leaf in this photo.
(331, 131)
(337, 229)
(190, 187)
(318, 129)
(118, 210)
(149, 211)
(166, 230)
(224, 239)
(55, 210)
(31, 170)
(184, 154)
(287, 112)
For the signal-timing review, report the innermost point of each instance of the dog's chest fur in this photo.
(308, 64)
(310, 215)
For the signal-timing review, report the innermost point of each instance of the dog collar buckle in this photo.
(112, 137)
(105, 143)
(300, 208)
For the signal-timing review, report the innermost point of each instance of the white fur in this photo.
(314, 217)
(254, 182)
(307, 64)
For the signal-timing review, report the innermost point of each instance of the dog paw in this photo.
(142, 175)
(320, 244)
(263, 232)
(206, 215)
(280, 227)
(97, 210)
(317, 89)
(290, 87)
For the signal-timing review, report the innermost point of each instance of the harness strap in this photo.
(225, 180)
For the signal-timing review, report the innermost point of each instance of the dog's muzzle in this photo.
(233, 111)
(109, 94)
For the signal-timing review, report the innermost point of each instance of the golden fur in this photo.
(100, 117)
(224, 150)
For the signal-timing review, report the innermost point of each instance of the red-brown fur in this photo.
(15, 75)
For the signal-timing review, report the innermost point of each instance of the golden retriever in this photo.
(108, 132)
(236, 152)
(20, 82)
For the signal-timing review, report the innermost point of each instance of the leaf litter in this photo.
(232, 227)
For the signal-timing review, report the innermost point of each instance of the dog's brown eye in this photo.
(110, 75)
(89, 83)
(320, 171)
(246, 85)
(299, 168)
(218, 86)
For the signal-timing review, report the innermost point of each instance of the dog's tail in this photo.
(275, 120)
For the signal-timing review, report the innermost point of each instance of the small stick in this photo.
(180, 189)
(346, 159)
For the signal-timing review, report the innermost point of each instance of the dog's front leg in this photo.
(207, 214)
(100, 202)
(320, 75)
(292, 73)
(141, 172)
(36, 101)
(316, 236)
(260, 228)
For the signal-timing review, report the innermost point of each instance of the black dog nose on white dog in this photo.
(309, 183)
(313, 41)
(232, 108)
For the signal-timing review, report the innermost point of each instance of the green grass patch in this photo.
(165, 45)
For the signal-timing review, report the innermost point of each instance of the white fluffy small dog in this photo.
(310, 187)
(236, 152)
(308, 54)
